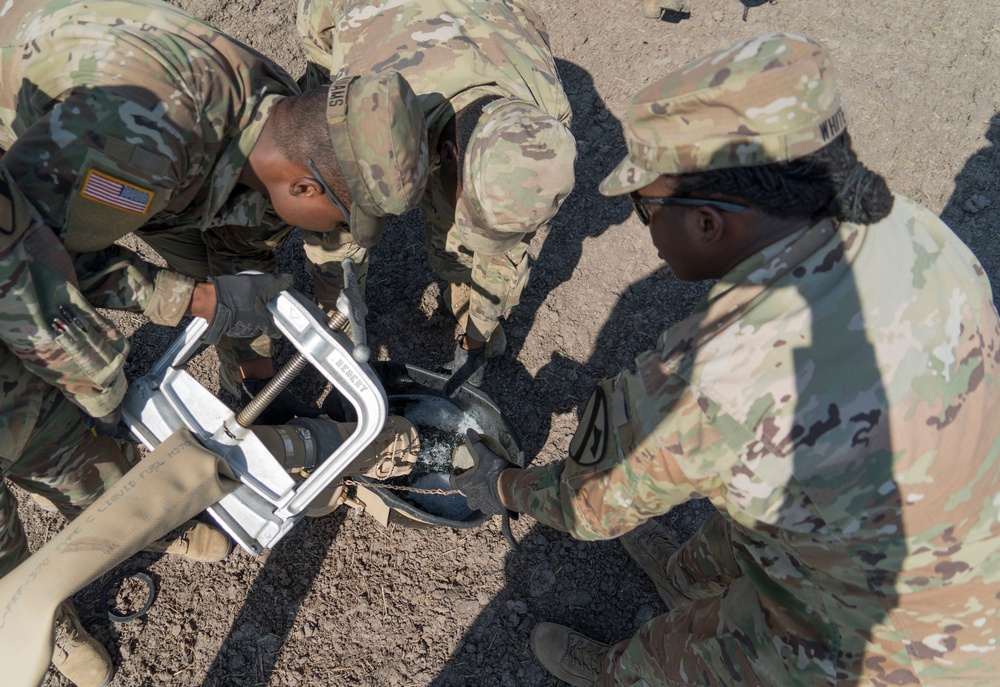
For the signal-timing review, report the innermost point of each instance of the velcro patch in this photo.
(107, 190)
(591, 438)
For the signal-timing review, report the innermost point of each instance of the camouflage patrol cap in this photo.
(518, 169)
(764, 100)
(380, 140)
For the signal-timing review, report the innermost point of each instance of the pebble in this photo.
(542, 582)
(644, 614)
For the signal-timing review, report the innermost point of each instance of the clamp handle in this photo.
(352, 306)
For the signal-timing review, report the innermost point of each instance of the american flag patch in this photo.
(106, 189)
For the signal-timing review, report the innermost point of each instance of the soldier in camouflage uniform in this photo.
(497, 118)
(134, 116)
(834, 396)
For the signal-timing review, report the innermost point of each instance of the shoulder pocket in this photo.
(111, 198)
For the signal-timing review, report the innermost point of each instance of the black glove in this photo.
(338, 408)
(466, 367)
(283, 408)
(109, 425)
(479, 483)
(241, 305)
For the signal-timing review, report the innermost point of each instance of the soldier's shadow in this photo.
(399, 276)
(590, 586)
(973, 211)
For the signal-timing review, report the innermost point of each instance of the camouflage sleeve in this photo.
(100, 164)
(315, 21)
(51, 327)
(118, 279)
(634, 456)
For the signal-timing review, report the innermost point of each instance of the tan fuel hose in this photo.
(178, 480)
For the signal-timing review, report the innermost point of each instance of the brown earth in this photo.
(341, 601)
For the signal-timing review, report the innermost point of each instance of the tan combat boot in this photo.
(393, 453)
(569, 655)
(196, 541)
(81, 658)
(651, 546)
(654, 8)
(456, 301)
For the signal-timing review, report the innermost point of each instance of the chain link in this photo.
(399, 487)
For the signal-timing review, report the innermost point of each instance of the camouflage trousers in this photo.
(497, 281)
(219, 251)
(690, 645)
(59, 457)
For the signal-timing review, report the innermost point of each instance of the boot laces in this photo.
(585, 655)
(66, 636)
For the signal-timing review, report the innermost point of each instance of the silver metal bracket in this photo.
(268, 501)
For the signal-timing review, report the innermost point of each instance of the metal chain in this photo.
(397, 487)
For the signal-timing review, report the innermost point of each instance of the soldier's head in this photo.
(739, 149)
(506, 167)
(350, 155)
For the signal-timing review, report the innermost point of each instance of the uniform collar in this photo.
(226, 173)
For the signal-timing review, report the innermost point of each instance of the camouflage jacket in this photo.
(835, 397)
(119, 115)
(48, 328)
(452, 52)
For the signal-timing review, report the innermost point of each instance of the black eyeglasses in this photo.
(640, 203)
(329, 192)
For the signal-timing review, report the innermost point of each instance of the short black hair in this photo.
(830, 182)
(302, 134)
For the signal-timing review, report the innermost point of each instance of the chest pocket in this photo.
(118, 191)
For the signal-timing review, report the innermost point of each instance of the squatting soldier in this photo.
(134, 116)
(498, 122)
(834, 396)
(59, 355)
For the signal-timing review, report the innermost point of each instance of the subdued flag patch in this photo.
(103, 188)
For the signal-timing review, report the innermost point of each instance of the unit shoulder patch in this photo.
(591, 439)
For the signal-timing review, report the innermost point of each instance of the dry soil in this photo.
(343, 602)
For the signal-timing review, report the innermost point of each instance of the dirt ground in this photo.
(341, 601)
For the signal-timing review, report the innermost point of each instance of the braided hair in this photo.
(830, 182)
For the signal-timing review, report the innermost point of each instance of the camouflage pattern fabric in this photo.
(766, 99)
(61, 460)
(54, 348)
(834, 395)
(102, 131)
(454, 52)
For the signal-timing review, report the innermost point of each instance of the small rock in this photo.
(644, 614)
(517, 607)
(718, 16)
(576, 598)
(542, 582)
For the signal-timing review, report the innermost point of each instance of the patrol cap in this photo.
(764, 100)
(380, 140)
(517, 171)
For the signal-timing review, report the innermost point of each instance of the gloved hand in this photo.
(466, 367)
(282, 409)
(338, 408)
(241, 305)
(479, 483)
